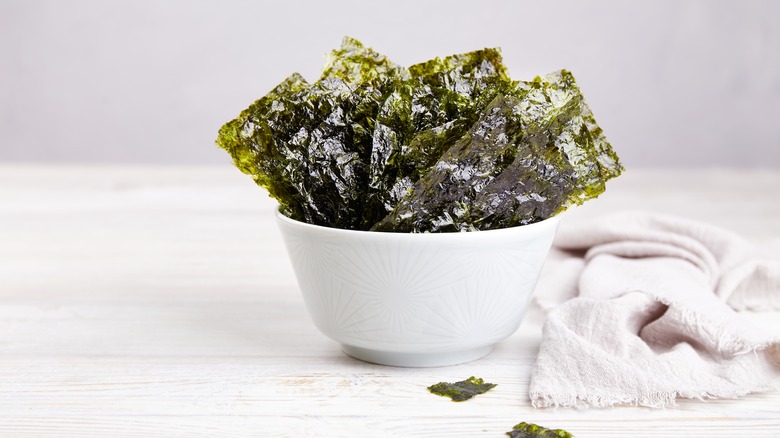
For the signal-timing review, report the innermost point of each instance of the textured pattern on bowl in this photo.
(417, 299)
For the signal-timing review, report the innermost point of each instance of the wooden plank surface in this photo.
(158, 301)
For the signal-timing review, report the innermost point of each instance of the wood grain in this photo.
(143, 301)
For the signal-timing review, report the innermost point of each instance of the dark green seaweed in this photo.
(463, 390)
(527, 430)
(529, 156)
(451, 144)
(424, 116)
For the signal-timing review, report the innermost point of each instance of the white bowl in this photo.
(417, 300)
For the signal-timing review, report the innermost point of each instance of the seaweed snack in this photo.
(463, 390)
(451, 144)
(528, 430)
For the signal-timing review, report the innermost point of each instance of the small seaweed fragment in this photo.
(528, 430)
(463, 390)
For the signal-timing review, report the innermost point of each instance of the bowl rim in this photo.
(536, 227)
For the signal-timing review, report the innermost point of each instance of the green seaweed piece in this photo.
(441, 201)
(451, 144)
(250, 141)
(424, 116)
(583, 142)
(528, 430)
(529, 156)
(310, 145)
(463, 390)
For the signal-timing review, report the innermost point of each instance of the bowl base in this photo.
(416, 360)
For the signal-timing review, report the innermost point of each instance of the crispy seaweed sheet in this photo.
(462, 390)
(528, 430)
(451, 144)
(310, 145)
(424, 116)
(530, 155)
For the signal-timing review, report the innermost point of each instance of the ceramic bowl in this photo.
(417, 300)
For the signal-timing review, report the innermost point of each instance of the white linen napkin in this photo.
(648, 315)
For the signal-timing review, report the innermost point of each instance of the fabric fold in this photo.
(643, 311)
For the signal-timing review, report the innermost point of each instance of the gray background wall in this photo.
(673, 83)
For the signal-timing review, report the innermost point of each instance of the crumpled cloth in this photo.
(643, 309)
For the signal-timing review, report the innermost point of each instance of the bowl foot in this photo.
(416, 359)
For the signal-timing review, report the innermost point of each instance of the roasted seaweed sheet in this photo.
(451, 144)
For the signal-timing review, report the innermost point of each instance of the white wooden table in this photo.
(159, 302)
